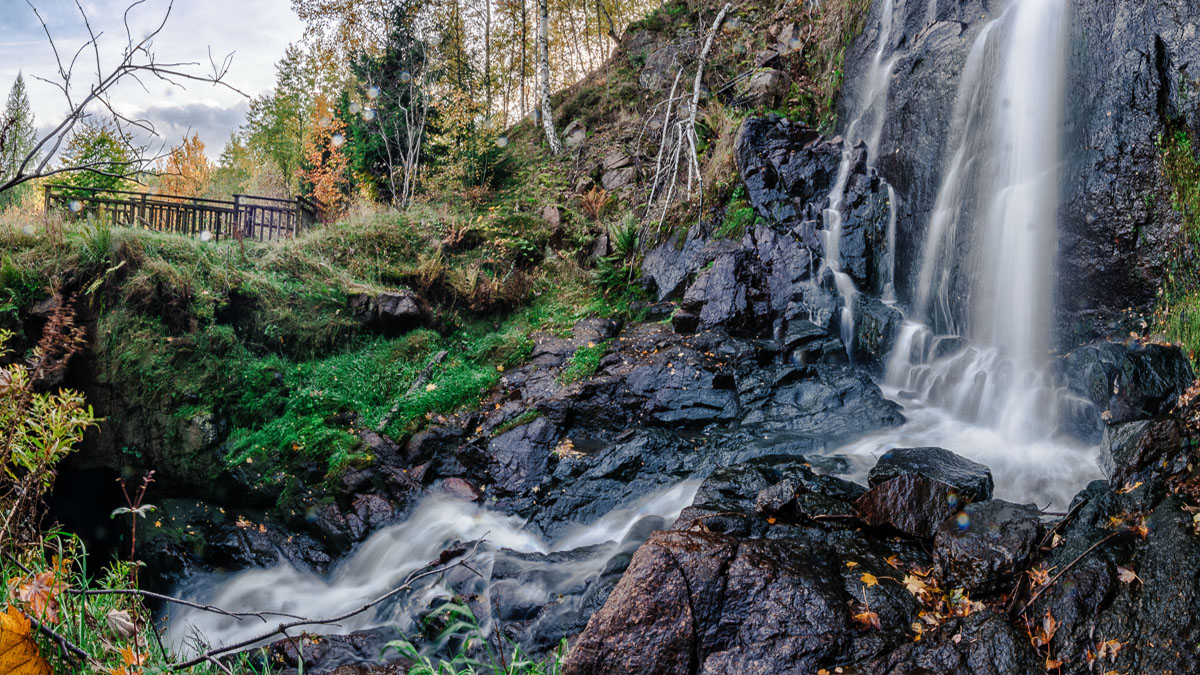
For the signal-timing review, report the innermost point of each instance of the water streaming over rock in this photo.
(867, 126)
(970, 362)
(385, 559)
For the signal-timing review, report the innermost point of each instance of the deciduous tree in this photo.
(187, 171)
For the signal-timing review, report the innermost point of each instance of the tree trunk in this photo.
(487, 54)
(544, 57)
(524, 64)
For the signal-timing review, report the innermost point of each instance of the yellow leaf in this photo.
(18, 652)
(893, 560)
(914, 585)
(869, 579)
(851, 564)
(1129, 487)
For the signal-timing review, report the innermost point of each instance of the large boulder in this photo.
(693, 602)
(1115, 383)
(972, 480)
(986, 545)
(912, 504)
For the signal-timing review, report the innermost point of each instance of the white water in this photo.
(385, 559)
(872, 112)
(972, 371)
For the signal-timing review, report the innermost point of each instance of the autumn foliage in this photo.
(325, 166)
(187, 172)
(18, 651)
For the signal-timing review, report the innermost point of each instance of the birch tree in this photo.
(544, 57)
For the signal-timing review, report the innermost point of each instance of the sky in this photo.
(255, 31)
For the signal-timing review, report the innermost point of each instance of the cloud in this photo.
(212, 123)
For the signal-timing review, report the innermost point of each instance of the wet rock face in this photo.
(1130, 81)
(910, 503)
(971, 480)
(983, 548)
(1118, 383)
(1128, 84)
(980, 644)
(694, 602)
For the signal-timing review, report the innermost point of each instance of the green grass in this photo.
(461, 648)
(86, 620)
(261, 338)
(584, 362)
(1178, 310)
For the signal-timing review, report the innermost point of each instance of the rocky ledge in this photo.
(778, 569)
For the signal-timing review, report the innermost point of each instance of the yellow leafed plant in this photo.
(18, 652)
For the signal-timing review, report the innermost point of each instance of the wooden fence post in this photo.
(46, 208)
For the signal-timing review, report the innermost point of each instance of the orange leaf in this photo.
(38, 594)
(868, 619)
(18, 652)
(869, 579)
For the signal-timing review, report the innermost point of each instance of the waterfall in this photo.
(870, 116)
(1000, 189)
(970, 363)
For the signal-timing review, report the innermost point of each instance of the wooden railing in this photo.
(246, 217)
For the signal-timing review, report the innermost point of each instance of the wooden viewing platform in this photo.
(246, 217)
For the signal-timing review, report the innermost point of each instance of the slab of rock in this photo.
(768, 87)
(910, 503)
(616, 159)
(986, 545)
(390, 312)
(693, 602)
(574, 134)
(618, 178)
(971, 480)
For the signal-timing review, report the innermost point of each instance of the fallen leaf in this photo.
(18, 651)
(38, 596)
(851, 564)
(893, 560)
(914, 585)
(1039, 576)
(121, 624)
(869, 579)
(1127, 575)
(868, 619)
(1129, 487)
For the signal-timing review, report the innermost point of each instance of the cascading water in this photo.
(872, 112)
(382, 563)
(970, 364)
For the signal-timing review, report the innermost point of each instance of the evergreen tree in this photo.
(17, 139)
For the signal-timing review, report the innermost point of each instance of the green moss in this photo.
(739, 216)
(584, 362)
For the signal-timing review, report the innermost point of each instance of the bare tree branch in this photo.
(137, 61)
